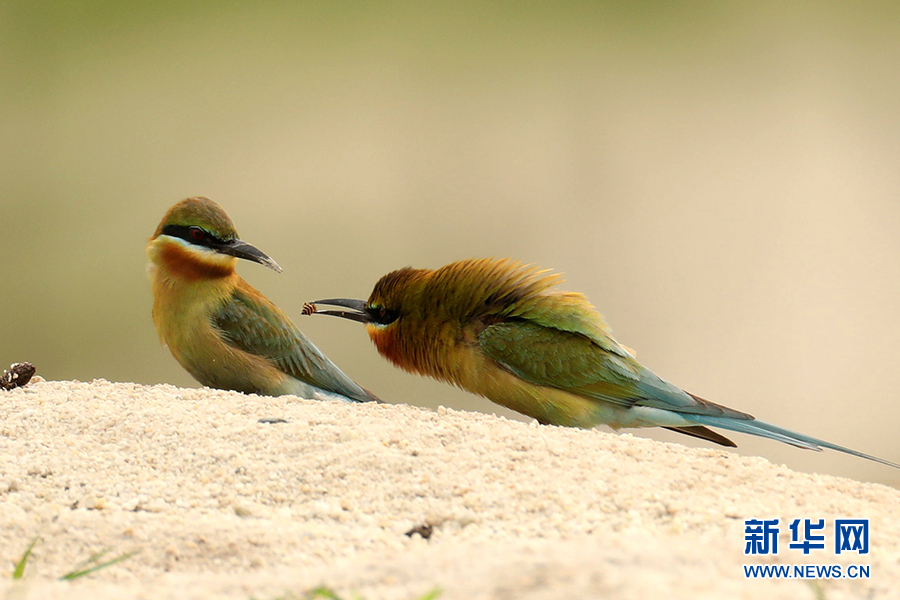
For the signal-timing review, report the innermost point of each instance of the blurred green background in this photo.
(721, 179)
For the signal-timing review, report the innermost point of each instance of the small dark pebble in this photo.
(424, 530)
(18, 375)
(272, 420)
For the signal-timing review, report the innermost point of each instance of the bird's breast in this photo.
(434, 350)
(386, 342)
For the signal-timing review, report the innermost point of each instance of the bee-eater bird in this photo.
(223, 332)
(499, 329)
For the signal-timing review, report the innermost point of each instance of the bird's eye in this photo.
(197, 233)
(382, 315)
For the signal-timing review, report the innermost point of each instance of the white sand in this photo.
(219, 505)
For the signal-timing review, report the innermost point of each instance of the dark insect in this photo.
(308, 308)
(18, 375)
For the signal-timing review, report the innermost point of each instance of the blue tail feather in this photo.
(774, 432)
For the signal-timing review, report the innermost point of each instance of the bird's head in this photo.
(418, 317)
(393, 297)
(392, 315)
(197, 240)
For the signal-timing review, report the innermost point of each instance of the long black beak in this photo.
(241, 249)
(357, 308)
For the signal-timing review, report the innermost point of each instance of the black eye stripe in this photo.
(382, 315)
(184, 232)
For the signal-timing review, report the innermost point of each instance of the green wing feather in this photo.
(256, 326)
(559, 340)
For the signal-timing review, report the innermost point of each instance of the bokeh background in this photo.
(722, 180)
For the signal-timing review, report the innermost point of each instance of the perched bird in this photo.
(223, 332)
(499, 329)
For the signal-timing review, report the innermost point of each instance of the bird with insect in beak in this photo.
(218, 327)
(500, 329)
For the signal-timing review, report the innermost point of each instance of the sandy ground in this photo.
(219, 505)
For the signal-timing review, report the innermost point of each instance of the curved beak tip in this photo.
(273, 265)
(241, 249)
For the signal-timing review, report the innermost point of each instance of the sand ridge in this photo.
(218, 504)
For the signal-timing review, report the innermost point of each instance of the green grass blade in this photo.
(432, 594)
(92, 564)
(19, 571)
(326, 593)
(91, 560)
(322, 592)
